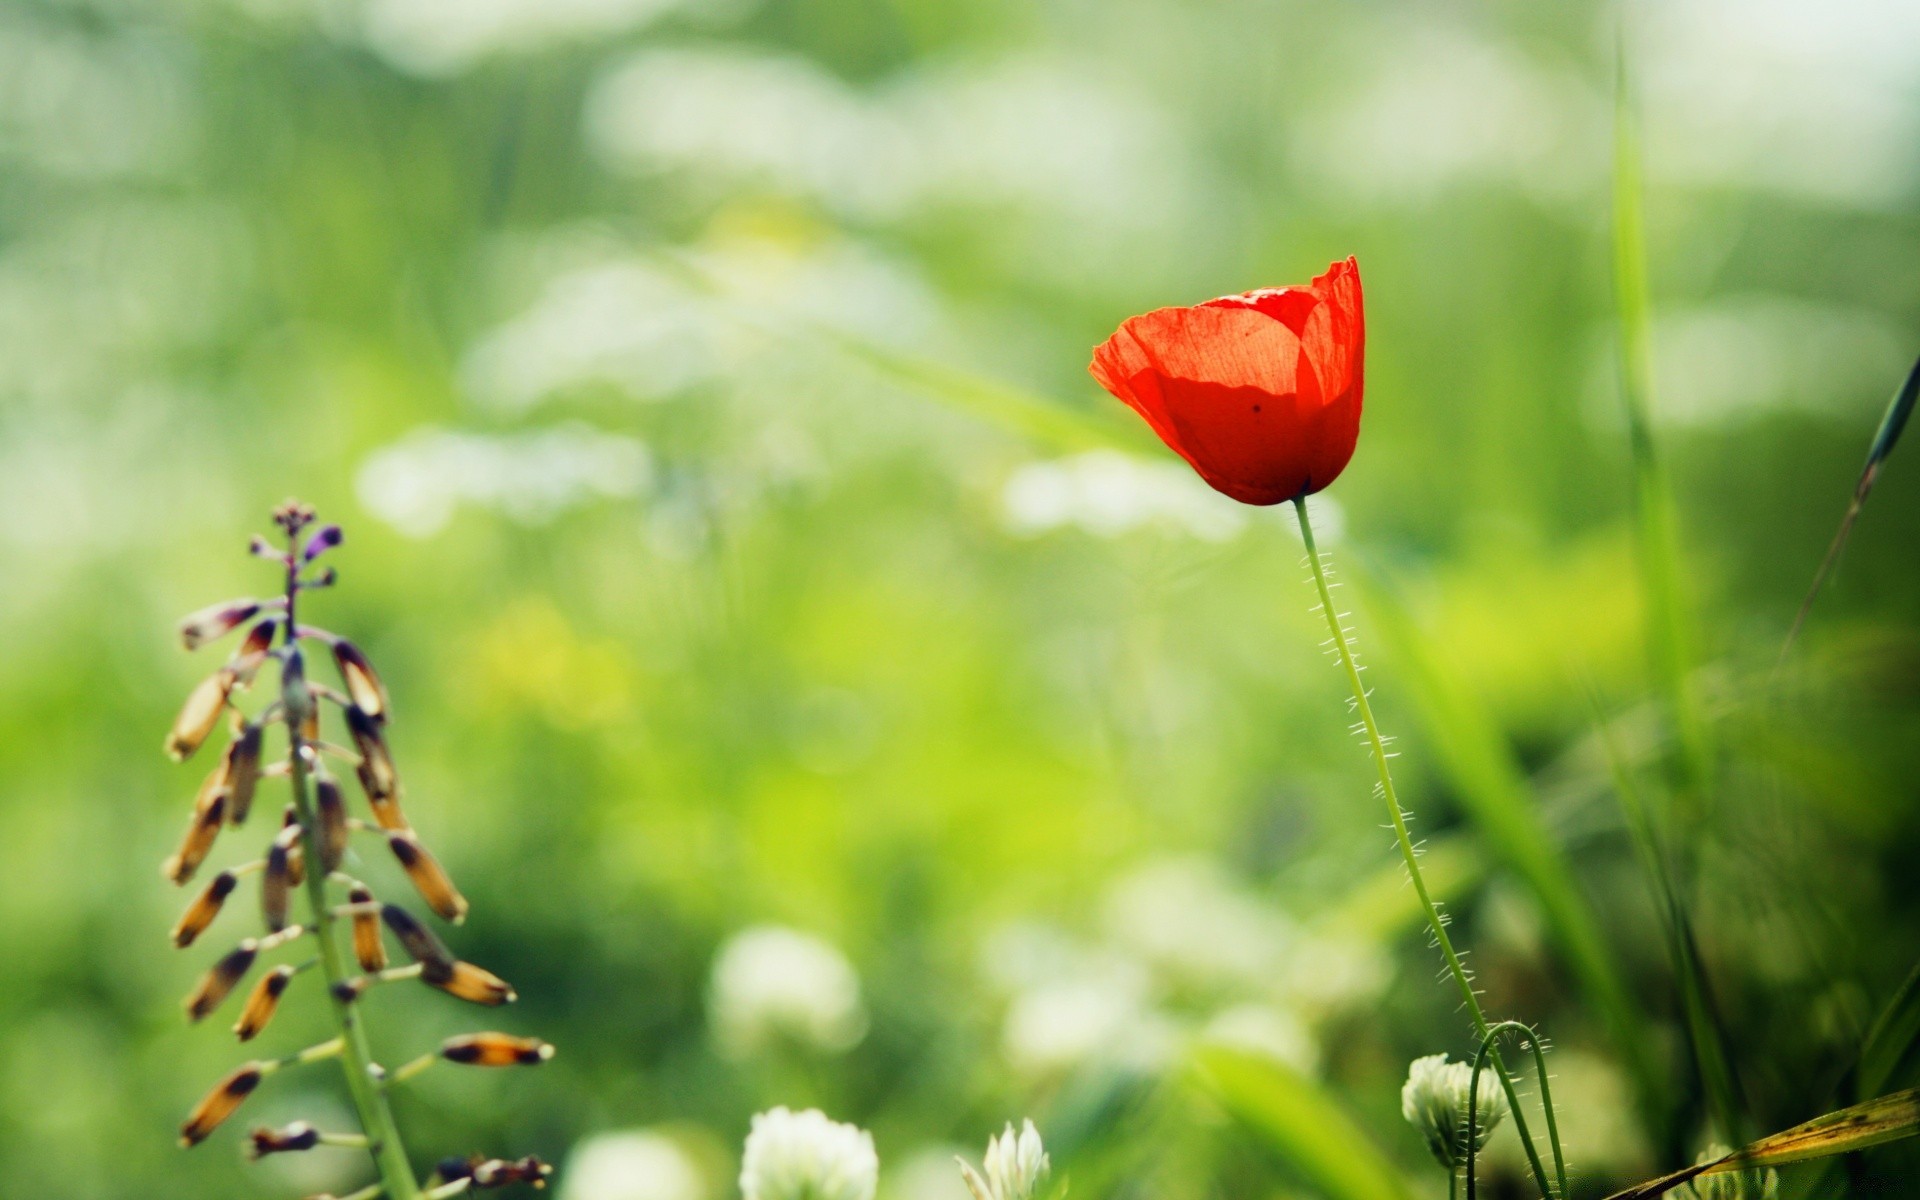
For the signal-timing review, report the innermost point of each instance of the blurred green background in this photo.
(701, 385)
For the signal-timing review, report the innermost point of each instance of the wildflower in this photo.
(806, 1156)
(1259, 392)
(1729, 1185)
(770, 982)
(1013, 1166)
(1434, 1101)
(632, 1165)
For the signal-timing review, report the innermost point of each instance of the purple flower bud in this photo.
(324, 539)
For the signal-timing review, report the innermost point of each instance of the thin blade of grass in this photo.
(1892, 422)
(1892, 1038)
(1299, 1122)
(1873, 1123)
(1656, 525)
(1494, 790)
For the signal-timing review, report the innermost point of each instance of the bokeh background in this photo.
(827, 697)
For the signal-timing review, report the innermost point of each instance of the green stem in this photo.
(1532, 1042)
(1435, 921)
(389, 1154)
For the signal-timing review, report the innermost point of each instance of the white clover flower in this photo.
(1014, 1165)
(770, 982)
(1434, 1101)
(1727, 1185)
(631, 1165)
(806, 1156)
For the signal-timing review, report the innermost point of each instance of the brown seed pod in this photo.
(262, 1002)
(215, 620)
(477, 985)
(331, 812)
(367, 946)
(207, 819)
(298, 1136)
(377, 773)
(219, 1103)
(385, 805)
(422, 945)
(276, 882)
(205, 907)
(252, 652)
(495, 1050)
(199, 715)
(428, 877)
(242, 766)
(369, 695)
(220, 979)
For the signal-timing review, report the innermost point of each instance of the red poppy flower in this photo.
(1259, 392)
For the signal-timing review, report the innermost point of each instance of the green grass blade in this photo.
(1873, 1123)
(1300, 1122)
(1656, 526)
(1892, 1038)
(1493, 789)
(1885, 438)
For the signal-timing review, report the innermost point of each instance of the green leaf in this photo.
(1300, 1122)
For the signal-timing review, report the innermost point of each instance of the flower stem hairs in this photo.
(314, 915)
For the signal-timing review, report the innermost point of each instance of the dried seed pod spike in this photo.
(220, 980)
(242, 764)
(219, 1104)
(367, 946)
(199, 840)
(476, 985)
(428, 877)
(199, 715)
(330, 809)
(263, 1002)
(495, 1050)
(421, 944)
(276, 883)
(205, 907)
(363, 684)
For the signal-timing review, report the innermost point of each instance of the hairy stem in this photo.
(369, 1093)
(1437, 923)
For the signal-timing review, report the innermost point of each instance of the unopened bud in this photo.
(216, 620)
(1434, 1101)
(219, 1104)
(427, 876)
(220, 979)
(207, 819)
(367, 946)
(294, 692)
(331, 812)
(298, 1136)
(262, 1003)
(205, 907)
(276, 882)
(324, 539)
(495, 1050)
(243, 772)
(199, 715)
(422, 944)
(377, 773)
(252, 652)
(476, 985)
(363, 685)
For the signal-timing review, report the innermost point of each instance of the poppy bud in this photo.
(220, 979)
(298, 1136)
(207, 819)
(246, 660)
(277, 881)
(219, 1104)
(243, 772)
(427, 876)
(216, 620)
(377, 773)
(199, 715)
(495, 1050)
(324, 539)
(331, 812)
(367, 946)
(476, 985)
(422, 944)
(205, 907)
(363, 685)
(262, 1002)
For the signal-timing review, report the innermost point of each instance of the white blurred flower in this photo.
(1186, 917)
(417, 483)
(1263, 1029)
(806, 1156)
(1013, 1167)
(444, 37)
(1326, 974)
(1099, 1013)
(631, 1165)
(1107, 493)
(1434, 1101)
(770, 982)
